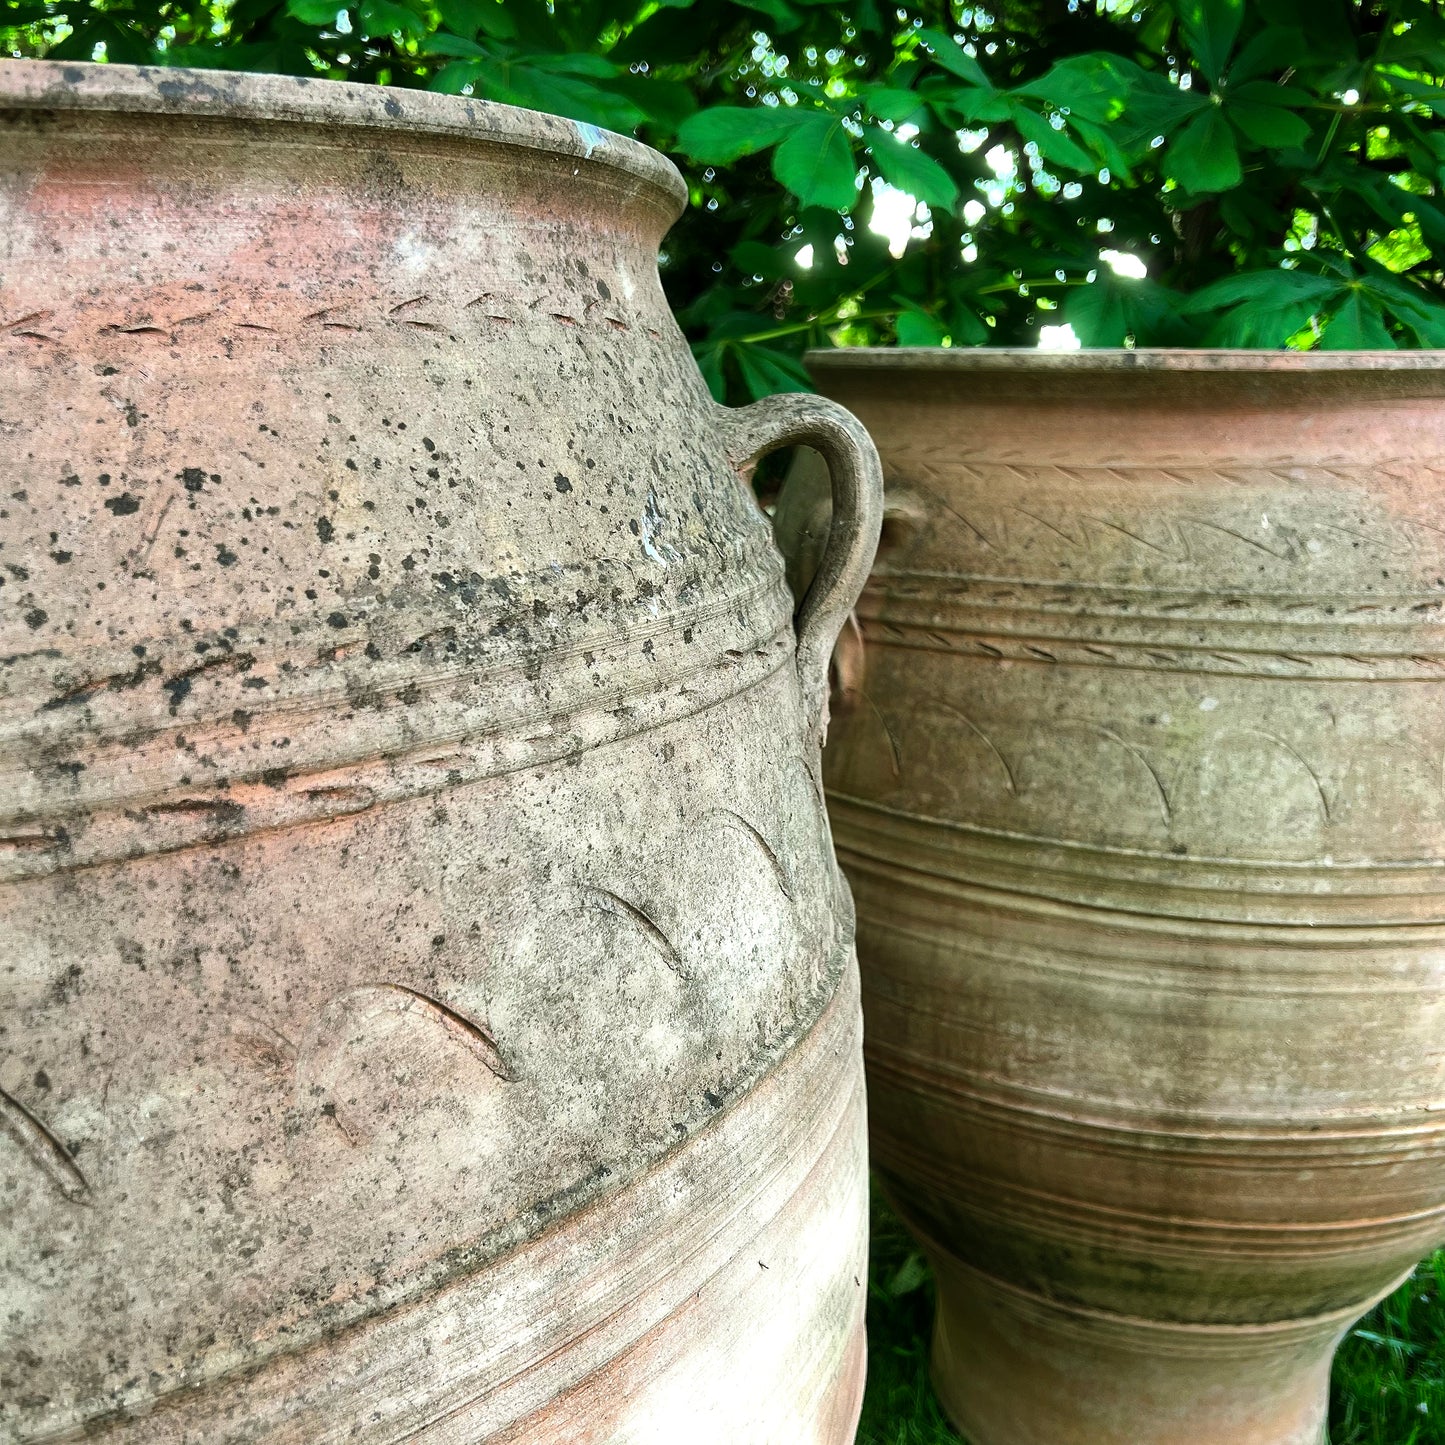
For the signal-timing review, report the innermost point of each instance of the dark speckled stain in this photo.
(65, 984)
(115, 682)
(468, 589)
(175, 90)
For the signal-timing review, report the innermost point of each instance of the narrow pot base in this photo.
(1012, 1368)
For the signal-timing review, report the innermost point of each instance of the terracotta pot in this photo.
(428, 1003)
(1139, 791)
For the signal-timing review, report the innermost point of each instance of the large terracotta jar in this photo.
(427, 1001)
(1139, 789)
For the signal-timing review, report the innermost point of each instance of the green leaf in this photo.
(783, 16)
(974, 107)
(1265, 323)
(1203, 157)
(1277, 47)
(867, 15)
(454, 45)
(732, 324)
(666, 103)
(1155, 108)
(753, 258)
(816, 163)
(1428, 217)
(1328, 26)
(1105, 144)
(905, 166)
(1098, 313)
(560, 95)
(1210, 30)
(1394, 204)
(1415, 86)
(967, 326)
(954, 58)
(723, 133)
(709, 357)
(1090, 87)
(230, 57)
(1428, 326)
(1410, 305)
(453, 79)
(382, 18)
(1268, 125)
(765, 371)
(1112, 308)
(1358, 325)
(1054, 145)
(1262, 288)
(911, 1275)
(1423, 44)
(314, 12)
(918, 328)
(1268, 327)
(1269, 92)
(593, 66)
(902, 107)
(468, 17)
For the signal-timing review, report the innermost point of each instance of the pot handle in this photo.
(856, 478)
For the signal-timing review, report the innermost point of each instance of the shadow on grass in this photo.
(1388, 1386)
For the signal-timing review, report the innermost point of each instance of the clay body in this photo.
(1138, 787)
(428, 1007)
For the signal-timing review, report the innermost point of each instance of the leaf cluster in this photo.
(1137, 172)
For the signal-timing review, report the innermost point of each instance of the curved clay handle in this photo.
(857, 484)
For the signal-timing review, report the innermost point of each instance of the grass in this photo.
(1389, 1381)
(1388, 1387)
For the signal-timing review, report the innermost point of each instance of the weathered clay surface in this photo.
(1139, 788)
(427, 1006)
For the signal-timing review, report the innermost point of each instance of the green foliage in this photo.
(1167, 172)
(1389, 1380)
(1388, 1386)
(899, 1406)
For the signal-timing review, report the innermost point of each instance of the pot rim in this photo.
(1019, 359)
(64, 85)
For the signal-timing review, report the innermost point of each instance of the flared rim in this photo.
(1020, 359)
(51, 85)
